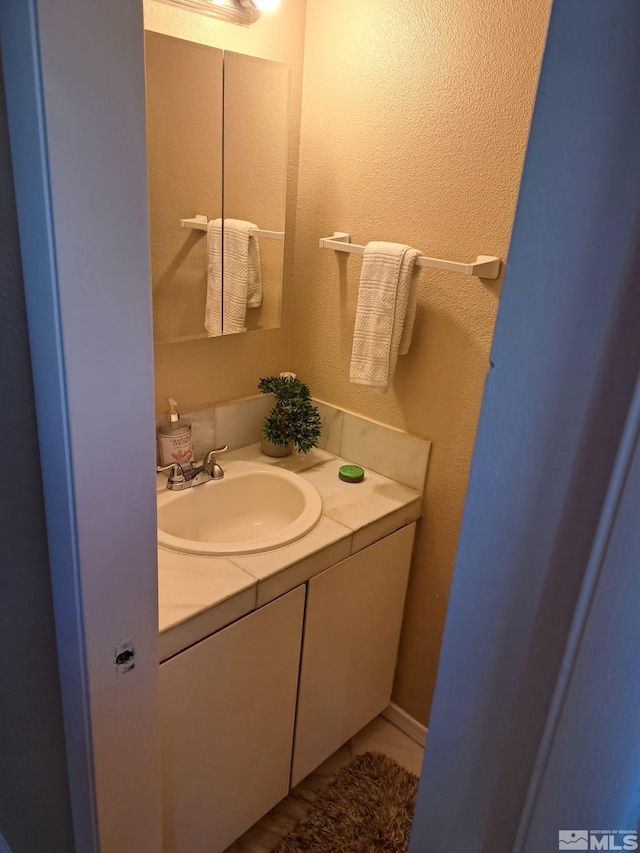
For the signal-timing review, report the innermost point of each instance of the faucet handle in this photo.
(176, 473)
(210, 457)
(211, 466)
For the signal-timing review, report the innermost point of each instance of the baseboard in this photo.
(407, 724)
(4, 847)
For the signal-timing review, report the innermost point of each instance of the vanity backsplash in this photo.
(383, 449)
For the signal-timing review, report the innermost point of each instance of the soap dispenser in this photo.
(174, 438)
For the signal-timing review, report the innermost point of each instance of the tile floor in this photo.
(379, 736)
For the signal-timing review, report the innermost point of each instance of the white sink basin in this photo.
(255, 508)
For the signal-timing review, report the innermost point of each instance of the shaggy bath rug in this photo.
(367, 808)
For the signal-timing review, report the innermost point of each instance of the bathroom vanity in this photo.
(271, 661)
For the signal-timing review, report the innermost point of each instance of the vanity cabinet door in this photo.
(352, 631)
(227, 708)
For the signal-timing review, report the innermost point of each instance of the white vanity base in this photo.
(233, 741)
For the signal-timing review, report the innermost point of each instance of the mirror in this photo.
(217, 142)
(184, 157)
(256, 137)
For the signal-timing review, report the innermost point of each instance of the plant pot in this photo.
(275, 450)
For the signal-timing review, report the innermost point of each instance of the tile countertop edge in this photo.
(385, 526)
(395, 505)
(201, 625)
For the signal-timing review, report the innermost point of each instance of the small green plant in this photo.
(294, 419)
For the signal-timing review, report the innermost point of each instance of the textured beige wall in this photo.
(414, 126)
(203, 372)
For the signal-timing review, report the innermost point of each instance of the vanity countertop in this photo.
(199, 595)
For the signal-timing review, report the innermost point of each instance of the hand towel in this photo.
(385, 314)
(235, 256)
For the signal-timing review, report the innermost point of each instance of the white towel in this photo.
(236, 256)
(385, 315)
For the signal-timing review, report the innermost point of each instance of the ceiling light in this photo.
(243, 12)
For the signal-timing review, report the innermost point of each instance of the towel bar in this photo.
(199, 223)
(484, 266)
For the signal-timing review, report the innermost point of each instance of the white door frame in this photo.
(74, 75)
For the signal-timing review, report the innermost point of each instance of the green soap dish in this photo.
(351, 473)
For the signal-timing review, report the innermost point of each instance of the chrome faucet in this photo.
(184, 478)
